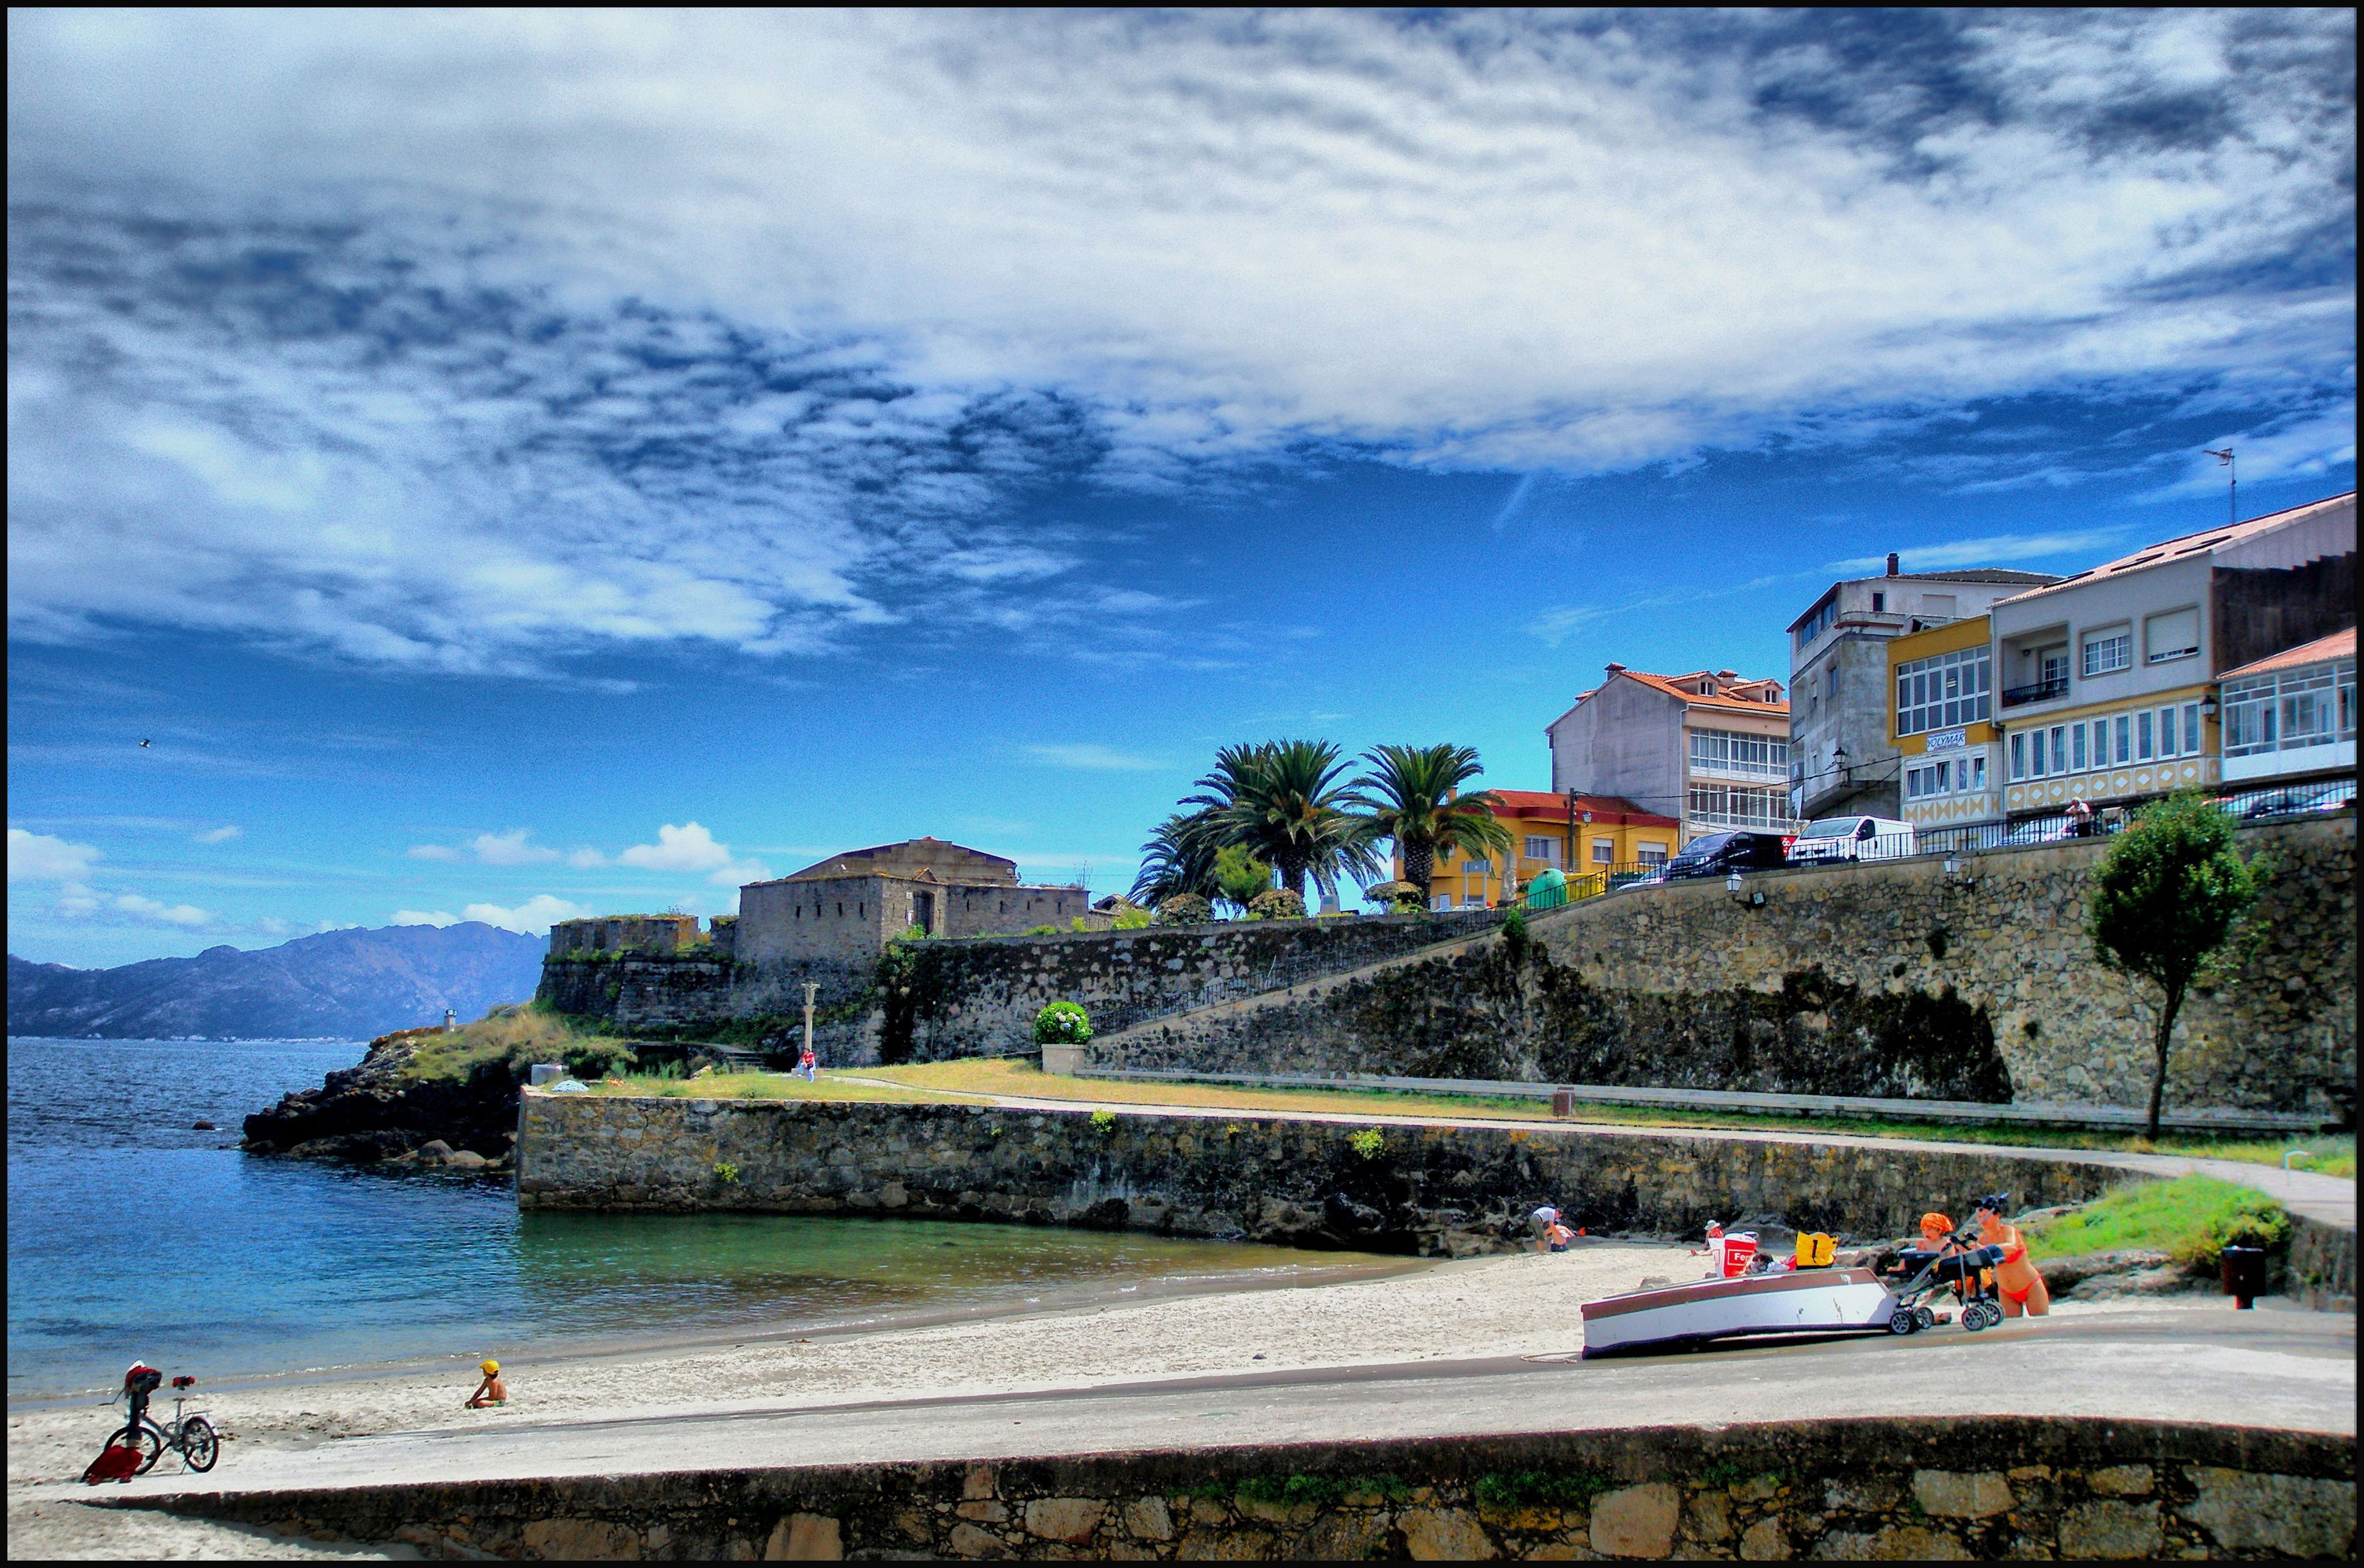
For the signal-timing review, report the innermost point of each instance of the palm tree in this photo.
(1282, 803)
(1413, 801)
(1179, 858)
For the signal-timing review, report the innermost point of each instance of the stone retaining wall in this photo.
(1406, 1189)
(1885, 979)
(1916, 1489)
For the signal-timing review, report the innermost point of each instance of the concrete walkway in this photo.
(2196, 1360)
(2327, 1200)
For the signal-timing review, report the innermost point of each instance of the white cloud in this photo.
(38, 857)
(1094, 757)
(1990, 551)
(687, 847)
(219, 835)
(425, 918)
(528, 332)
(79, 898)
(533, 917)
(510, 848)
(156, 911)
(1558, 623)
(585, 858)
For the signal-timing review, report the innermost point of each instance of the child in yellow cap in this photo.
(491, 1391)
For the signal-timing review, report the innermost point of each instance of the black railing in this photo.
(2042, 691)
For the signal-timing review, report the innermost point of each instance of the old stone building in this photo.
(845, 909)
(625, 933)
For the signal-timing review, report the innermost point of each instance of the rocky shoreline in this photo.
(376, 1114)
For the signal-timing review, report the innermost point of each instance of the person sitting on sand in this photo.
(2016, 1280)
(490, 1391)
(1555, 1239)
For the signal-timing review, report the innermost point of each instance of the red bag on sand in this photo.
(114, 1464)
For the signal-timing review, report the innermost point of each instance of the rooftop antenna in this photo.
(2232, 483)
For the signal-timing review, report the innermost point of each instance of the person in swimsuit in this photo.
(490, 1391)
(2016, 1279)
(1555, 1239)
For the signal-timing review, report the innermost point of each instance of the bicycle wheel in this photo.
(199, 1446)
(146, 1438)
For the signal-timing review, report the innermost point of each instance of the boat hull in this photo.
(1812, 1301)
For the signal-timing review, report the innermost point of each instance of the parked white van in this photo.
(1850, 838)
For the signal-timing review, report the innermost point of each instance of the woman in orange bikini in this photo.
(2016, 1280)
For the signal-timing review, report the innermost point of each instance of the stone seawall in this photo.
(1429, 1191)
(1887, 979)
(1984, 1487)
(978, 996)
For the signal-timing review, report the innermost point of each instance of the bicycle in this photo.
(191, 1435)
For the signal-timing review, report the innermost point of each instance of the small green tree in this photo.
(1277, 904)
(1184, 910)
(1239, 878)
(2168, 895)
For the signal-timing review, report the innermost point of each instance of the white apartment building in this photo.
(2107, 680)
(1708, 748)
(1842, 760)
(2291, 716)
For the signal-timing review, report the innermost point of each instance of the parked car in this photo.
(1719, 854)
(2290, 802)
(1851, 837)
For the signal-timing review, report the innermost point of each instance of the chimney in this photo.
(1891, 563)
(1616, 668)
(1727, 674)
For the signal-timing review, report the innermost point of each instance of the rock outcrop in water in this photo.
(376, 1113)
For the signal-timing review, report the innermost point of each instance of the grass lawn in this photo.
(951, 1081)
(2188, 1218)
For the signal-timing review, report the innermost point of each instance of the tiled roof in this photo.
(1667, 684)
(2184, 545)
(2338, 645)
(1534, 805)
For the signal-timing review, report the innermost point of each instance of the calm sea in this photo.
(130, 1235)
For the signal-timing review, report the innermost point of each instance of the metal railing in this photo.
(2259, 804)
(2042, 691)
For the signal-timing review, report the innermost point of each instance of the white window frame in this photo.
(2108, 652)
(1945, 691)
(1734, 754)
(2169, 655)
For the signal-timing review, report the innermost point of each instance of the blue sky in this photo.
(515, 465)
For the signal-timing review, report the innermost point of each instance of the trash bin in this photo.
(2244, 1269)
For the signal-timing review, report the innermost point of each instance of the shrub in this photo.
(2190, 1218)
(726, 1172)
(1184, 910)
(1368, 1142)
(1278, 904)
(1079, 923)
(1524, 1488)
(1062, 1023)
(1042, 930)
(1514, 932)
(1395, 897)
(911, 934)
(511, 1038)
(1104, 1121)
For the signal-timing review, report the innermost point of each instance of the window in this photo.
(1650, 854)
(1831, 680)
(1934, 778)
(2174, 635)
(2192, 729)
(1878, 603)
(1824, 617)
(1727, 805)
(2108, 652)
(2059, 749)
(1542, 849)
(1943, 692)
(1605, 853)
(1977, 767)
(2077, 748)
(2018, 757)
(1732, 753)
(2125, 745)
(2142, 736)
(1937, 606)
(2167, 733)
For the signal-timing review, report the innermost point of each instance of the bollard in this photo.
(2244, 1269)
(1563, 1102)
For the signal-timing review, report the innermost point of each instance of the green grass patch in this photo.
(1529, 1488)
(2188, 1218)
(514, 1039)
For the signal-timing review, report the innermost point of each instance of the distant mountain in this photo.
(356, 984)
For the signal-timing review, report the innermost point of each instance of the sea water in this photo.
(133, 1235)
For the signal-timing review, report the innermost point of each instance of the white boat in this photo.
(1802, 1301)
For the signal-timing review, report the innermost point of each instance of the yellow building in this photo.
(1576, 834)
(1941, 721)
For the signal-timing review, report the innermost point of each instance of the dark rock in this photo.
(2064, 1274)
(374, 1111)
(203, 1127)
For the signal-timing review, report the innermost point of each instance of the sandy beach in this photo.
(1519, 1305)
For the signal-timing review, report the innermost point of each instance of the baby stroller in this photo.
(1963, 1265)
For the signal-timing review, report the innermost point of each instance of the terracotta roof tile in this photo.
(2338, 645)
(2180, 546)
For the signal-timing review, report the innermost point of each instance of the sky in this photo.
(509, 465)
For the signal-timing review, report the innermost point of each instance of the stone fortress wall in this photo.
(1988, 1487)
(1891, 978)
(1894, 978)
